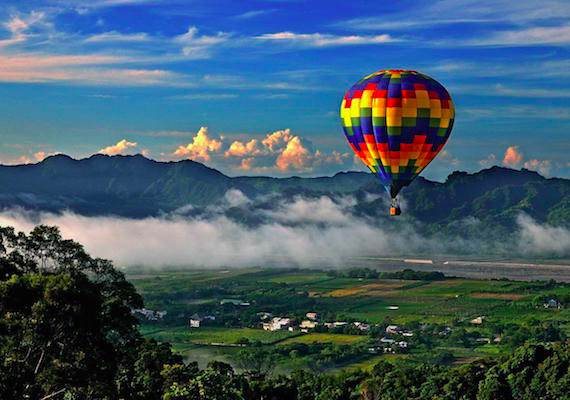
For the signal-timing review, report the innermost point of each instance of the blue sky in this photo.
(253, 87)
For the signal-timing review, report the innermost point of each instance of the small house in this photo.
(264, 315)
(149, 315)
(335, 324)
(234, 302)
(312, 316)
(552, 303)
(361, 326)
(446, 331)
(195, 321)
(277, 323)
(306, 324)
(393, 329)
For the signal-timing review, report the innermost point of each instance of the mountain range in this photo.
(134, 186)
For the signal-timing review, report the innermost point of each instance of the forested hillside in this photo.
(67, 332)
(134, 186)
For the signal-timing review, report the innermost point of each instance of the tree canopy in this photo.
(67, 332)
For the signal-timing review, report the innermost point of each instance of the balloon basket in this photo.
(395, 211)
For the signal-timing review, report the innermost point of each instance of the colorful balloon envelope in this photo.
(397, 121)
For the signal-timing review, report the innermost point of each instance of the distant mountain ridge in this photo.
(134, 186)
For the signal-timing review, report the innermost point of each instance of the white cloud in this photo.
(320, 210)
(541, 166)
(548, 35)
(210, 243)
(19, 26)
(236, 198)
(487, 23)
(489, 161)
(28, 158)
(448, 158)
(277, 139)
(114, 36)
(537, 239)
(295, 156)
(84, 7)
(531, 69)
(254, 14)
(200, 148)
(305, 232)
(241, 149)
(121, 147)
(42, 155)
(531, 92)
(477, 12)
(282, 152)
(82, 69)
(200, 47)
(514, 158)
(324, 40)
(63, 56)
(518, 112)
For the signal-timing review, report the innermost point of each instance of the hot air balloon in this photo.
(397, 121)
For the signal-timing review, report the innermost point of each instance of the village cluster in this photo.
(391, 339)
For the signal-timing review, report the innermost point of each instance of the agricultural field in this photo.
(433, 314)
(215, 336)
(334, 338)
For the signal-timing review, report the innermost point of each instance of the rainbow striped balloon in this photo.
(397, 121)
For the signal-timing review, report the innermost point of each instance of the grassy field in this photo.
(292, 293)
(215, 335)
(324, 338)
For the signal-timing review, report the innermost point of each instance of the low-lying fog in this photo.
(296, 232)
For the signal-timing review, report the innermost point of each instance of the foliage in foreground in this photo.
(67, 332)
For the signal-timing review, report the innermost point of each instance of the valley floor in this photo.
(361, 316)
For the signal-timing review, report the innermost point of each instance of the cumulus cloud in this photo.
(295, 156)
(241, 149)
(277, 138)
(246, 164)
(28, 159)
(513, 157)
(200, 148)
(121, 147)
(282, 151)
(541, 166)
(42, 155)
